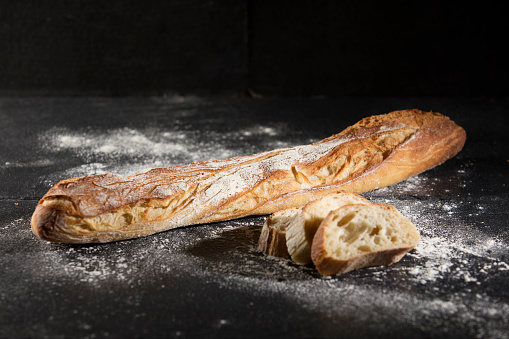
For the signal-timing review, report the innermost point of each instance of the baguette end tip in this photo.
(44, 223)
(42, 220)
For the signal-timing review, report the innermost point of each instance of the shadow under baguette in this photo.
(235, 251)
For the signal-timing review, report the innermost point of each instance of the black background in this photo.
(239, 47)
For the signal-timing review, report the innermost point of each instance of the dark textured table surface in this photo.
(209, 280)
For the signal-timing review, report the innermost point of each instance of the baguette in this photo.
(272, 239)
(302, 228)
(358, 236)
(376, 152)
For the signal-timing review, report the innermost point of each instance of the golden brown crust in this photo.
(374, 153)
(329, 266)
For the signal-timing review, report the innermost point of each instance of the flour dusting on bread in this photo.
(376, 152)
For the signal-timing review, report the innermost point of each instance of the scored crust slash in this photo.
(376, 152)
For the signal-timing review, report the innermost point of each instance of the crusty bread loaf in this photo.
(272, 239)
(376, 152)
(302, 228)
(357, 236)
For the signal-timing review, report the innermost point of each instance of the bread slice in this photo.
(272, 239)
(357, 236)
(302, 228)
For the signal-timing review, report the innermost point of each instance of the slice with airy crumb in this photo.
(273, 237)
(301, 230)
(357, 236)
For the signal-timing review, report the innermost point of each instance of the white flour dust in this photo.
(120, 141)
(128, 151)
(451, 247)
(443, 258)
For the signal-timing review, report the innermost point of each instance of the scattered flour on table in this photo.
(440, 255)
(451, 245)
(451, 251)
(449, 267)
(128, 151)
